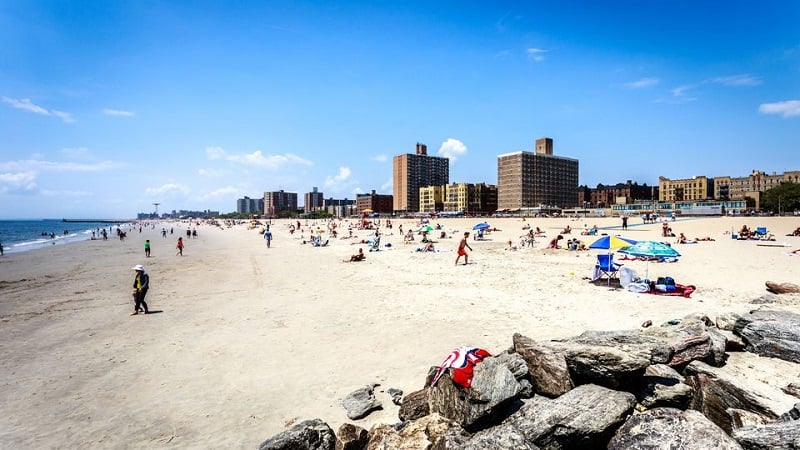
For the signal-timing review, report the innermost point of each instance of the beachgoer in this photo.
(682, 239)
(357, 257)
(147, 248)
(179, 247)
(624, 222)
(141, 283)
(268, 237)
(554, 242)
(461, 252)
(1, 249)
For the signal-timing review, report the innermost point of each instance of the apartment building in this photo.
(531, 180)
(377, 203)
(276, 202)
(685, 190)
(413, 171)
(313, 200)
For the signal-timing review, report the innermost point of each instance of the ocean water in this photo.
(24, 235)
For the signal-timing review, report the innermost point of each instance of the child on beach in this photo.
(179, 247)
(461, 251)
(147, 248)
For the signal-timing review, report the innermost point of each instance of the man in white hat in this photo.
(140, 285)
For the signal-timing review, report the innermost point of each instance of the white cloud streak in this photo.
(168, 189)
(642, 83)
(25, 104)
(117, 112)
(786, 109)
(57, 166)
(535, 54)
(737, 80)
(258, 159)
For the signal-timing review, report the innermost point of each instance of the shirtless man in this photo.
(461, 251)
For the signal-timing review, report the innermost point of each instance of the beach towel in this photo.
(680, 291)
(462, 360)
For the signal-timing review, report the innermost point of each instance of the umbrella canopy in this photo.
(612, 243)
(426, 228)
(650, 249)
(481, 226)
(367, 210)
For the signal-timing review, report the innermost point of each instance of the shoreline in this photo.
(250, 340)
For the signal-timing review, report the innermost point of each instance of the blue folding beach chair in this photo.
(606, 266)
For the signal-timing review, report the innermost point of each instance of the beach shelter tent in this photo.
(481, 226)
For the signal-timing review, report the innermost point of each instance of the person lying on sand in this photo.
(357, 257)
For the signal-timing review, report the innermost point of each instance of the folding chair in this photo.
(606, 266)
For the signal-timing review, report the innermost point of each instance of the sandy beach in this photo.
(247, 340)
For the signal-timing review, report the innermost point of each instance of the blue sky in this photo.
(109, 106)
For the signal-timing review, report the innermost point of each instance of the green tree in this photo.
(783, 197)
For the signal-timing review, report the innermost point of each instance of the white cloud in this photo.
(117, 112)
(535, 54)
(788, 108)
(642, 83)
(52, 193)
(25, 104)
(380, 158)
(79, 152)
(388, 186)
(453, 149)
(737, 80)
(19, 181)
(168, 189)
(272, 162)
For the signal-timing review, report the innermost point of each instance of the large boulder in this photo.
(771, 333)
(414, 405)
(361, 402)
(691, 339)
(716, 391)
(663, 386)
(307, 435)
(585, 417)
(774, 436)
(351, 437)
(671, 428)
(547, 367)
(493, 389)
(416, 434)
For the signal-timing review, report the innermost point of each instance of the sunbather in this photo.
(357, 257)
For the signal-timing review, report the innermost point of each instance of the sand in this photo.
(248, 340)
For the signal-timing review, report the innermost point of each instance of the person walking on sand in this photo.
(461, 251)
(147, 248)
(179, 247)
(268, 236)
(141, 283)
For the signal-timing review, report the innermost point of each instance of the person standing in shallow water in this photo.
(147, 248)
(179, 247)
(141, 283)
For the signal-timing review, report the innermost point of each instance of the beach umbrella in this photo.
(481, 226)
(367, 210)
(650, 250)
(611, 243)
(425, 228)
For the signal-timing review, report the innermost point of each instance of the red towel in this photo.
(462, 360)
(680, 291)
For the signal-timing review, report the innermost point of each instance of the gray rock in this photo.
(415, 405)
(417, 434)
(307, 435)
(726, 321)
(515, 363)
(792, 389)
(547, 367)
(669, 428)
(351, 437)
(396, 394)
(716, 391)
(792, 414)
(498, 438)
(775, 436)
(741, 418)
(691, 340)
(585, 417)
(771, 333)
(361, 402)
(663, 386)
(493, 389)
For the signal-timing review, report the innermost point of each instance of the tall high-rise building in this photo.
(533, 180)
(414, 171)
(277, 201)
(249, 205)
(313, 200)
